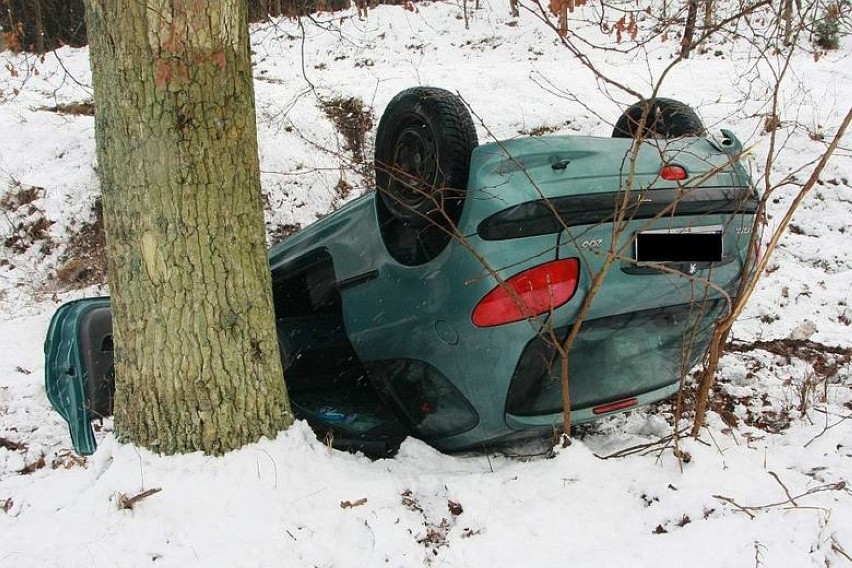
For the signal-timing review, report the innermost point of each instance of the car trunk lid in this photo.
(509, 173)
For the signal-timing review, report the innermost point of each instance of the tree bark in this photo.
(787, 16)
(689, 29)
(708, 15)
(39, 26)
(196, 351)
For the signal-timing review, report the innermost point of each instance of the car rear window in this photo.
(545, 216)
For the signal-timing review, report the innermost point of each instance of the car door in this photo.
(79, 372)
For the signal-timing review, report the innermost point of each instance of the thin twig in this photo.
(125, 502)
(735, 504)
(641, 447)
(835, 546)
(827, 427)
(784, 487)
(839, 486)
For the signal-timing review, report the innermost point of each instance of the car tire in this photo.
(667, 118)
(422, 157)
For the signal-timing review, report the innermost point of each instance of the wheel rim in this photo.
(414, 168)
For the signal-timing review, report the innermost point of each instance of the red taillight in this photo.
(532, 292)
(673, 173)
(613, 406)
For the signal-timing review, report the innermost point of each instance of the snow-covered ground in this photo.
(765, 485)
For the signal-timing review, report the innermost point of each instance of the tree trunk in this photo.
(38, 23)
(689, 29)
(196, 352)
(513, 9)
(708, 15)
(787, 16)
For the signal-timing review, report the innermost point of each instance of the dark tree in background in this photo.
(42, 25)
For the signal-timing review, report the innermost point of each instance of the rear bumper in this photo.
(548, 422)
(636, 358)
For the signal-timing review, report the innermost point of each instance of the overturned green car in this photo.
(436, 306)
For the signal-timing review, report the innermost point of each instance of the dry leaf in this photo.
(682, 455)
(35, 466)
(11, 445)
(728, 417)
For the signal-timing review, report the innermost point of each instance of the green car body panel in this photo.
(66, 374)
(408, 328)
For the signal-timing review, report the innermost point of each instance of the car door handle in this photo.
(357, 280)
